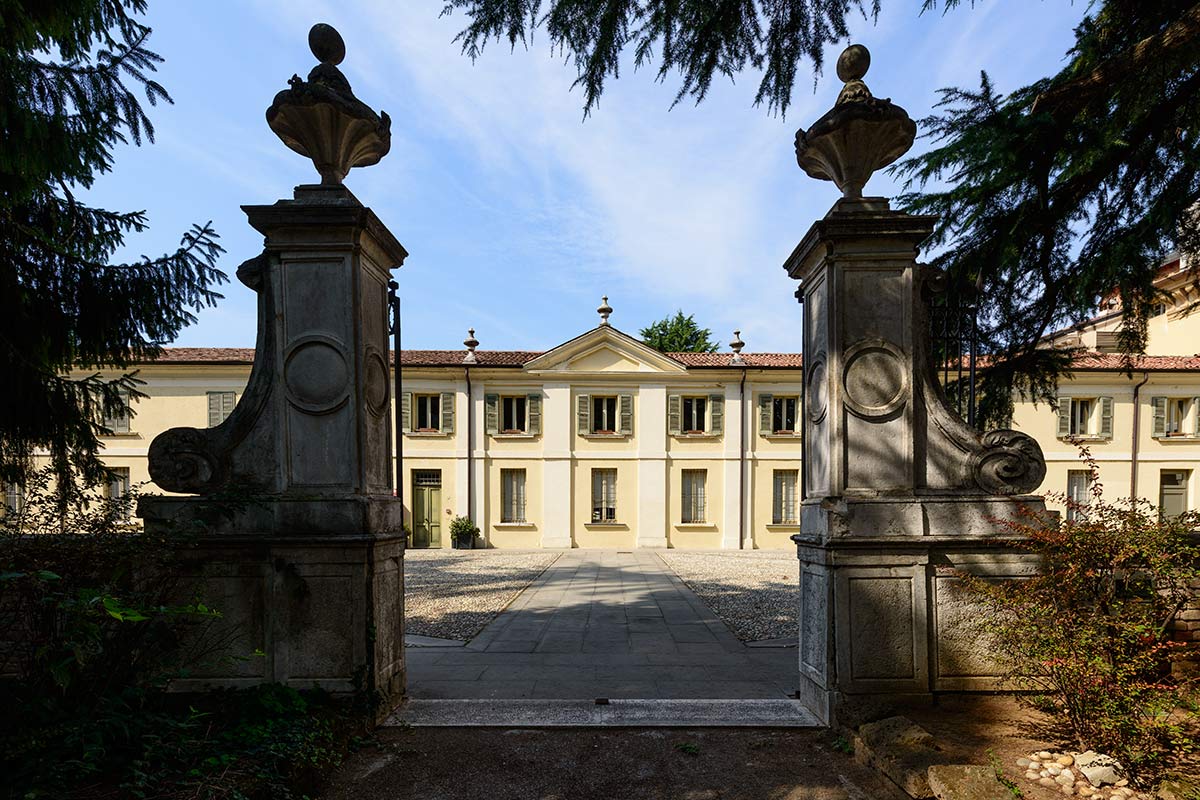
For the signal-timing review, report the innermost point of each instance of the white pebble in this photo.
(1045, 755)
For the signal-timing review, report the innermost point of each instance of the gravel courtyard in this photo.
(755, 592)
(453, 594)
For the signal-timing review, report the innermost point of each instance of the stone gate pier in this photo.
(899, 493)
(299, 537)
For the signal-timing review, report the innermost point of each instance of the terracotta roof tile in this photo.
(1116, 361)
(485, 358)
(454, 358)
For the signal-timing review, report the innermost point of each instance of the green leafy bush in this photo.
(94, 623)
(1090, 634)
(463, 531)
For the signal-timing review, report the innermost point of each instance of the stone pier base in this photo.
(307, 611)
(882, 621)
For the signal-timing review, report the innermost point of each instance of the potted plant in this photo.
(462, 533)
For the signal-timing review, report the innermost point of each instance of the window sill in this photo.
(1188, 438)
(609, 525)
(1088, 438)
(605, 435)
(696, 435)
(427, 434)
(783, 526)
(697, 526)
(511, 525)
(127, 435)
(514, 435)
(777, 435)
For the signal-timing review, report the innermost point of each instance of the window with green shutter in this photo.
(513, 412)
(1085, 417)
(220, 406)
(427, 413)
(118, 420)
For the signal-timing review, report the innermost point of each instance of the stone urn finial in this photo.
(736, 346)
(604, 310)
(470, 343)
(859, 135)
(322, 119)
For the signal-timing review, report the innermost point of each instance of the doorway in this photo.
(426, 505)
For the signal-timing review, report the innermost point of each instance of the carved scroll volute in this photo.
(201, 460)
(1010, 462)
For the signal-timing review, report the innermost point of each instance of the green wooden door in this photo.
(427, 501)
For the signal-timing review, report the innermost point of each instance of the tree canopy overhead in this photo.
(679, 334)
(1050, 196)
(70, 77)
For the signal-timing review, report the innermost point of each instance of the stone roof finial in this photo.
(736, 346)
(322, 119)
(604, 310)
(471, 343)
(859, 135)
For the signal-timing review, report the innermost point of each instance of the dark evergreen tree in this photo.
(1050, 197)
(73, 321)
(679, 334)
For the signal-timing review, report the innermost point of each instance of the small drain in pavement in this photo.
(601, 701)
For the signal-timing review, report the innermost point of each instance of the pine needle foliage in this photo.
(679, 334)
(1067, 191)
(73, 78)
(698, 39)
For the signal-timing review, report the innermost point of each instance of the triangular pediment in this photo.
(604, 350)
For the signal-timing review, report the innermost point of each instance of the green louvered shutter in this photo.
(533, 410)
(1160, 416)
(220, 406)
(583, 415)
(406, 412)
(766, 405)
(625, 403)
(214, 409)
(491, 413)
(1106, 417)
(716, 414)
(674, 404)
(447, 412)
(1196, 416)
(1064, 417)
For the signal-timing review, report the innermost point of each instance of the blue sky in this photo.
(518, 214)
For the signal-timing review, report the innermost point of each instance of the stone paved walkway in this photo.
(602, 624)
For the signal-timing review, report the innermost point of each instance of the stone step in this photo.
(781, 713)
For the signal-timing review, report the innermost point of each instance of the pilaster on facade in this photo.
(556, 465)
(652, 504)
(732, 531)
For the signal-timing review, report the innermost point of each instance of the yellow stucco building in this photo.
(605, 442)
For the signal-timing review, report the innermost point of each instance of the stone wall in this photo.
(1186, 628)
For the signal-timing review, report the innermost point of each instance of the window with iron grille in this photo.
(118, 487)
(694, 495)
(1079, 482)
(14, 498)
(604, 495)
(512, 495)
(783, 502)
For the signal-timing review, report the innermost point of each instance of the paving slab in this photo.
(602, 624)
